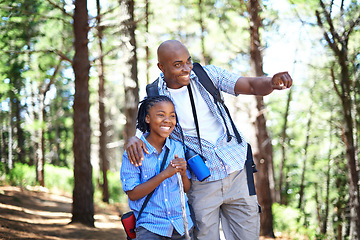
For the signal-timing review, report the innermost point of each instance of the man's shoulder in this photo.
(211, 66)
(213, 69)
(213, 72)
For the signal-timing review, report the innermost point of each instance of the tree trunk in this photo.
(56, 162)
(328, 177)
(302, 181)
(83, 202)
(20, 151)
(318, 204)
(353, 174)
(41, 157)
(280, 193)
(338, 42)
(131, 85)
(264, 156)
(147, 50)
(262, 178)
(340, 202)
(10, 163)
(16, 151)
(3, 149)
(34, 158)
(205, 59)
(104, 165)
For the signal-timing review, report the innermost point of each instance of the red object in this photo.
(129, 222)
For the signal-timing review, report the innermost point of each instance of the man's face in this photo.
(176, 66)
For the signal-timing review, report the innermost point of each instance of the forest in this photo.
(72, 74)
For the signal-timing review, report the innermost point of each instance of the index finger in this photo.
(286, 79)
(138, 153)
(289, 82)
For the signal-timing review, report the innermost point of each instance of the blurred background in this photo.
(72, 74)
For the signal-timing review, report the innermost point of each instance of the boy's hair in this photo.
(143, 111)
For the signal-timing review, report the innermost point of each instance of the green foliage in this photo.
(288, 220)
(61, 180)
(115, 189)
(21, 175)
(285, 218)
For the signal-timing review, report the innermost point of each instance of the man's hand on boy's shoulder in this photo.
(134, 149)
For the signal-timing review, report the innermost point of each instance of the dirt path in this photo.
(26, 214)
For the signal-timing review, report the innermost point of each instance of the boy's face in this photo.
(161, 119)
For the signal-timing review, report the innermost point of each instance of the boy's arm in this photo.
(147, 187)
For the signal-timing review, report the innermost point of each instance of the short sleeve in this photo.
(129, 174)
(222, 78)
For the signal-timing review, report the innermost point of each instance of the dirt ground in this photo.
(35, 214)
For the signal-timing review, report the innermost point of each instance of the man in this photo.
(224, 195)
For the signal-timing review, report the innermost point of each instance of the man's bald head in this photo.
(175, 62)
(169, 48)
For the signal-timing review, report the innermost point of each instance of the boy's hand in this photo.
(176, 165)
(180, 164)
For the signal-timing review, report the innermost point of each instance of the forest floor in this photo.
(38, 214)
(35, 214)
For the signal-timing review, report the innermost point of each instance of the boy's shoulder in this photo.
(176, 146)
(175, 142)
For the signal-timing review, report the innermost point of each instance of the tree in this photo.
(16, 35)
(306, 145)
(205, 58)
(264, 155)
(131, 85)
(337, 37)
(40, 163)
(83, 202)
(279, 196)
(147, 50)
(104, 165)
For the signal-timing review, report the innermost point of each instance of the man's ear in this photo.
(160, 66)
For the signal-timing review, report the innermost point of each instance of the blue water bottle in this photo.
(197, 165)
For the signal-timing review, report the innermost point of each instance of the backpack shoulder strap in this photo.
(209, 86)
(206, 82)
(152, 88)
